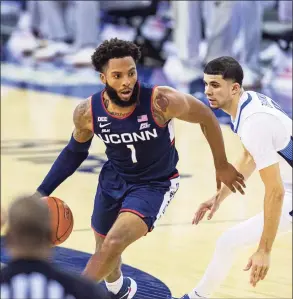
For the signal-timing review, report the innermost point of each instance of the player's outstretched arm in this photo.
(259, 262)
(273, 202)
(75, 152)
(258, 135)
(169, 103)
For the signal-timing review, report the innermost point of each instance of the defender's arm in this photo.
(259, 134)
(273, 202)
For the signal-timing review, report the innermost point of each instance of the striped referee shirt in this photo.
(34, 279)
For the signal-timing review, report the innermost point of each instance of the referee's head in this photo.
(29, 230)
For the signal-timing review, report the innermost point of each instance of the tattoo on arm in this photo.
(161, 103)
(82, 119)
(159, 117)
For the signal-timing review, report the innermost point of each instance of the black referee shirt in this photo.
(35, 279)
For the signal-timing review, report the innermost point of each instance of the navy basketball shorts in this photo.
(147, 200)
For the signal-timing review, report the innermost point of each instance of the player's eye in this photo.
(116, 76)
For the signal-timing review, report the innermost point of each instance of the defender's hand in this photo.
(259, 263)
(228, 175)
(211, 205)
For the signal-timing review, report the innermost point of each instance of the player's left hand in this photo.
(228, 175)
(259, 263)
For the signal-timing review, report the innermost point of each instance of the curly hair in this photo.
(114, 48)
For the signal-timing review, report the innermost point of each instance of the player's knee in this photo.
(226, 241)
(115, 243)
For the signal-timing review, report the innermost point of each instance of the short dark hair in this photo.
(114, 48)
(29, 221)
(226, 66)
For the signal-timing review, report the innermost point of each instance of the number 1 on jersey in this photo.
(133, 152)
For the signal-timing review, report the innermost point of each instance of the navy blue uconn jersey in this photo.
(137, 147)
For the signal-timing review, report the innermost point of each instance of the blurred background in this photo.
(176, 37)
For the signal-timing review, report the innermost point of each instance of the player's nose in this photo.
(207, 91)
(126, 82)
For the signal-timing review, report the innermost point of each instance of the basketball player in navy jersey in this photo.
(140, 178)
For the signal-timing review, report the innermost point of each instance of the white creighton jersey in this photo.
(266, 132)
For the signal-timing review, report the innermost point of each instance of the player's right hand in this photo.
(211, 205)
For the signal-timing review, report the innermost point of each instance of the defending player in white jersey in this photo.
(266, 133)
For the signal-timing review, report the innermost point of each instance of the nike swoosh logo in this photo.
(104, 125)
(126, 294)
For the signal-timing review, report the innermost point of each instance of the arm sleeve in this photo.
(65, 165)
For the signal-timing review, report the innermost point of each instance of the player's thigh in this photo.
(149, 202)
(105, 212)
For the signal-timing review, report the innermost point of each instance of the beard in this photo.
(114, 97)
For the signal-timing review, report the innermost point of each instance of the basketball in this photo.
(61, 220)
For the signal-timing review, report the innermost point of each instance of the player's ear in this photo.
(235, 88)
(103, 78)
